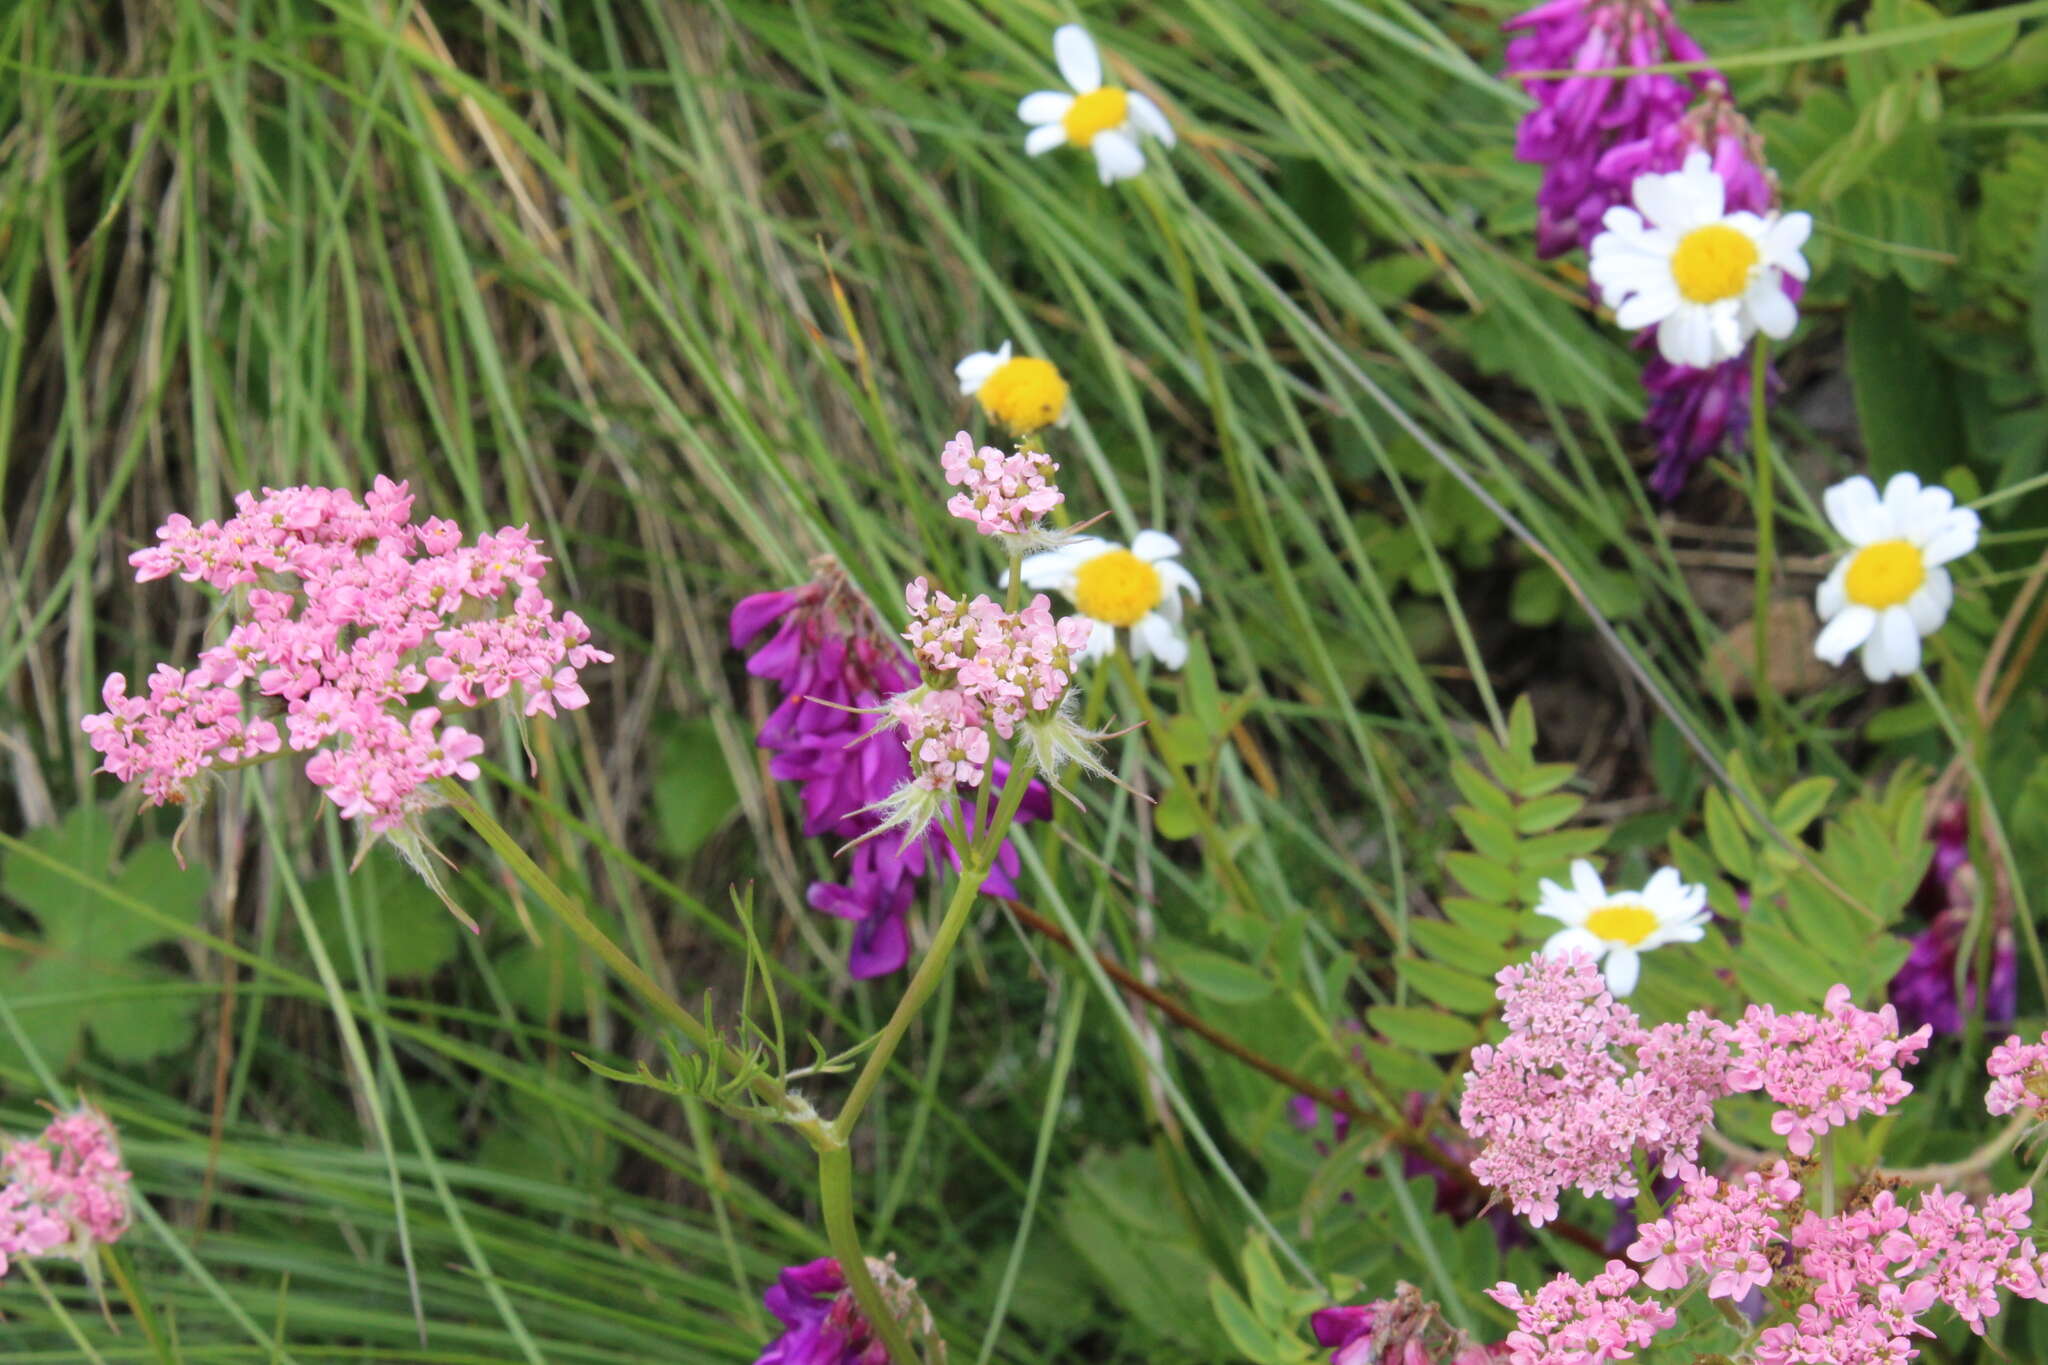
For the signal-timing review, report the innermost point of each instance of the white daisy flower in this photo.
(1891, 588)
(1706, 280)
(1104, 118)
(1022, 392)
(1617, 928)
(1135, 590)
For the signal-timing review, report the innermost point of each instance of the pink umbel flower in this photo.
(1569, 1323)
(1827, 1070)
(66, 1191)
(1579, 1086)
(2019, 1077)
(1723, 1230)
(342, 614)
(1003, 495)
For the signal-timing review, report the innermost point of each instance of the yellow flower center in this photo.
(1118, 588)
(1025, 394)
(1886, 574)
(1713, 263)
(1629, 924)
(1098, 111)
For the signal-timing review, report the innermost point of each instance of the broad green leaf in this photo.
(1425, 1030)
(1446, 985)
(693, 788)
(1213, 975)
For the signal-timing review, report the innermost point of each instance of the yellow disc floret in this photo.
(1629, 924)
(1118, 588)
(1713, 263)
(1098, 111)
(1885, 574)
(1025, 394)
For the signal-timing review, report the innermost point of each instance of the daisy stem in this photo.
(1764, 503)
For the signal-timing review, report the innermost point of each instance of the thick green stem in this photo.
(768, 1089)
(835, 1194)
(1765, 507)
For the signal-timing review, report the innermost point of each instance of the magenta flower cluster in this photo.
(1003, 495)
(2019, 1077)
(823, 1325)
(1579, 1086)
(1827, 1070)
(836, 668)
(1946, 951)
(66, 1191)
(1567, 1322)
(1402, 1330)
(343, 612)
(1594, 134)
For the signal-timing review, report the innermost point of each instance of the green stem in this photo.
(1765, 506)
(793, 1110)
(835, 1193)
(974, 866)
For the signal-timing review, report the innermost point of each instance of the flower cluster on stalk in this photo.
(343, 615)
(66, 1190)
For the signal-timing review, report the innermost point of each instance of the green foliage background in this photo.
(682, 286)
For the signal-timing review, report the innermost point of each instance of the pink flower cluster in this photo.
(1875, 1270)
(343, 612)
(1010, 666)
(1827, 1069)
(66, 1192)
(947, 734)
(1561, 1102)
(1569, 1323)
(1720, 1229)
(1003, 494)
(2019, 1077)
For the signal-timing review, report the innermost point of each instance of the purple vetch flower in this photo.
(824, 1326)
(1924, 990)
(836, 664)
(1578, 118)
(1403, 1330)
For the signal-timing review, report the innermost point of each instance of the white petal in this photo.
(1044, 106)
(1646, 309)
(1687, 337)
(1044, 138)
(1928, 511)
(1155, 636)
(1664, 888)
(1586, 880)
(1771, 307)
(1573, 940)
(975, 370)
(1894, 649)
(1081, 549)
(1174, 576)
(1848, 630)
(1080, 64)
(1560, 904)
(1153, 546)
(1117, 156)
(1149, 117)
(1620, 220)
(1052, 569)
(1663, 201)
(1101, 641)
(1623, 269)
(1901, 496)
(1833, 593)
(1955, 537)
(1929, 606)
(1623, 968)
(1782, 241)
(1853, 507)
